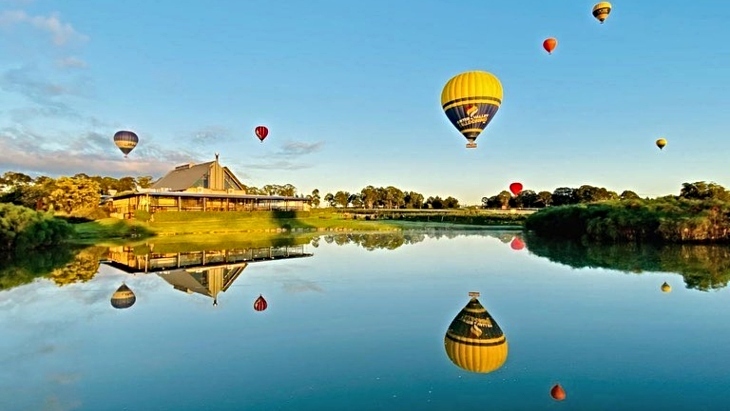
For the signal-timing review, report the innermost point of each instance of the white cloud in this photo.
(61, 33)
(71, 62)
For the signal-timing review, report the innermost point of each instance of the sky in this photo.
(351, 92)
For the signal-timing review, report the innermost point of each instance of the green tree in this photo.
(628, 195)
(369, 196)
(544, 199)
(330, 199)
(74, 194)
(144, 181)
(315, 199)
(451, 202)
(342, 198)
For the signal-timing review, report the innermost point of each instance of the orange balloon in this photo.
(517, 244)
(558, 393)
(550, 44)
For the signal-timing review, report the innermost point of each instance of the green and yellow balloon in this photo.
(470, 101)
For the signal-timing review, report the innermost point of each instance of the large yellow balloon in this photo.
(470, 101)
(601, 11)
(661, 143)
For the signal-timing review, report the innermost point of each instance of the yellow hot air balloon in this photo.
(474, 341)
(666, 287)
(601, 11)
(661, 143)
(470, 101)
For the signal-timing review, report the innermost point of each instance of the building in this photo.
(199, 187)
(205, 272)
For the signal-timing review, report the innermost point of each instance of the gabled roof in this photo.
(234, 178)
(182, 178)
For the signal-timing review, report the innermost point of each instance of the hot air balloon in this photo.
(666, 288)
(474, 341)
(470, 101)
(123, 297)
(661, 143)
(601, 11)
(550, 44)
(515, 188)
(261, 132)
(557, 392)
(126, 141)
(260, 304)
(517, 244)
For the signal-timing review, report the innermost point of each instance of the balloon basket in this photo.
(471, 145)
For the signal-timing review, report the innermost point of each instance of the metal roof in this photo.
(183, 178)
(208, 195)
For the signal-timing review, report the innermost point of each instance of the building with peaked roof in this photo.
(199, 187)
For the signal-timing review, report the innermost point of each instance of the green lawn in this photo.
(197, 223)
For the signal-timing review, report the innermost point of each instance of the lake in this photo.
(358, 322)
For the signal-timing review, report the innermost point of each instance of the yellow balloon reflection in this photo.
(123, 297)
(666, 288)
(474, 341)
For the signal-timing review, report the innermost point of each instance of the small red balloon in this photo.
(261, 132)
(515, 188)
(550, 44)
(557, 392)
(517, 244)
(260, 304)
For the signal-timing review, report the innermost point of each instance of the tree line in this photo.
(700, 213)
(390, 197)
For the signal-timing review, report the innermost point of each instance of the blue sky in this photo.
(351, 91)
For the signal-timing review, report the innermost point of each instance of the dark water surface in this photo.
(357, 322)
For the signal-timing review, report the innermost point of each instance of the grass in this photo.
(188, 224)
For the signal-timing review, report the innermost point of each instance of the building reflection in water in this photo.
(474, 340)
(207, 273)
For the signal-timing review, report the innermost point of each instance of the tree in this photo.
(451, 202)
(701, 190)
(564, 196)
(287, 190)
(315, 198)
(144, 181)
(369, 196)
(414, 200)
(330, 199)
(74, 193)
(12, 180)
(629, 195)
(356, 200)
(342, 198)
(504, 196)
(526, 199)
(544, 199)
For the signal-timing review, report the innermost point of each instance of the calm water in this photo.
(357, 322)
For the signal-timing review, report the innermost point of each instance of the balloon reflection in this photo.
(517, 244)
(260, 304)
(474, 342)
(123, 297)
(666, 288)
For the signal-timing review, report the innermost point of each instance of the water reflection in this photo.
(63, 265)
(704, 267)
(474, 341)
(123, 297)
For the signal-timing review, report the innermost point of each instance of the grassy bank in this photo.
(657, 220)
(196, 223)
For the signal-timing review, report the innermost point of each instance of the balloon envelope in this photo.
(261, 132)
(260, 304)
(126, 141)
(661, 143)
(517, 244)
(515, 188)
(601, 11)
(470, 100)
(557, 392)
(550, 44)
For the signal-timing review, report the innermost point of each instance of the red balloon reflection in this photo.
(557, 392)
(260, 304)
(517, 244)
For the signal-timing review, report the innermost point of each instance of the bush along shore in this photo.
(667, 219)
(23, 229)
